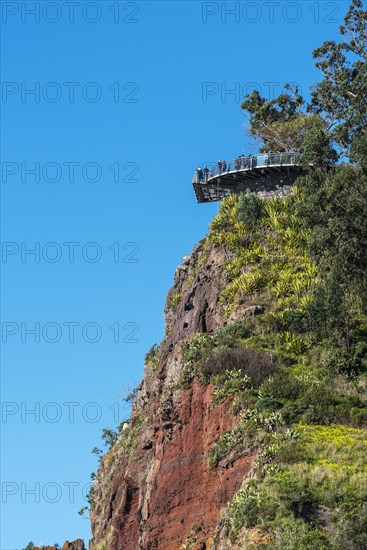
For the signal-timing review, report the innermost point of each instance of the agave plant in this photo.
(251, 282)
(283, 286)
(293, 343)
(305, 301)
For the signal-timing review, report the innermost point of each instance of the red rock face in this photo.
(155, 502)
(187, 491)
(150, 498)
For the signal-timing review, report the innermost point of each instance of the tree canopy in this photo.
(338, 104)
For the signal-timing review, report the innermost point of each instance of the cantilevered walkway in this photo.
(266, 173)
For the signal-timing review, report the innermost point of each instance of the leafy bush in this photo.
(226, 229)
(268, 404)
(243, 509)
(249, 209)
(351, 530)
(109, 437)
(254, 364)
(291, 343)
(326, 405)
(236, 330)
(194, 348)
(350, 362)
(153, 355)
(176, 298)
(288, 320)
(90, 497)
(232, 440)
(253, 427)
(283, 385)
(228, 384)
(293, 534)
(310, 400)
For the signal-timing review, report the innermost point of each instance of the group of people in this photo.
(240, 163)
(243, 162)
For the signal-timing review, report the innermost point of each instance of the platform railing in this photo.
(243, 163)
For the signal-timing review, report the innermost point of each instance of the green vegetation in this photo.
(251, 431)
(295, 374)
(271, 254)
(310, 490)
(153, 356)
(31, 546)
(294, 369)
(310, 485)
(176, 298)
(337, 112)
(223, 359)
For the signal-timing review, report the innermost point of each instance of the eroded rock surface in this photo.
(161, 491)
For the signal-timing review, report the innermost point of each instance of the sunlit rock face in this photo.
(161, 491)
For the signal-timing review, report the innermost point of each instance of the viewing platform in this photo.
(266, 174)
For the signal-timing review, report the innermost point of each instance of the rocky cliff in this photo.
(248, 429)
(155, 488)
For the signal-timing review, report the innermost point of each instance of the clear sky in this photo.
(128, 99)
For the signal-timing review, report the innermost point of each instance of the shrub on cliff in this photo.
(249, 209)
(254, 364)
(351, 531)
(235, 331)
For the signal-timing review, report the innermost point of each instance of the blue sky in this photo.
(129, 97)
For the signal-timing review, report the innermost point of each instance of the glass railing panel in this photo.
(246, 163)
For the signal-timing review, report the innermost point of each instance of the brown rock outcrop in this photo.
(75, 545)
(155, 490)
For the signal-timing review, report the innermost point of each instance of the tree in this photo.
(316, 148)
(280, 124)
(338, 108)
(340, 98)
(109, 437)
(249, 208)
(334, 208)
(359, 151)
